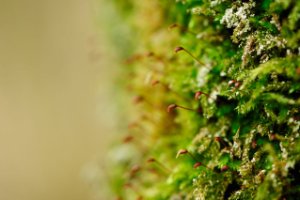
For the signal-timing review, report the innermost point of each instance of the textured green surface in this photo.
(241, 60)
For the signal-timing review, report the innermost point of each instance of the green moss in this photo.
(242, 131)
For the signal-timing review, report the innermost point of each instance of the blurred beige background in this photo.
(54, 89)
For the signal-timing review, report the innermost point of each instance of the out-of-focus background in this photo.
(55, 118)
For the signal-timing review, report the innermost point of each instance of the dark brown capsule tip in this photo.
(272, 136)
(173, 26)
(224, 168)
(150, 54)
(128, 139)
(137, 99)
(237, 84)
(177, 49)
(298, 70)
(197, 164)
(127, 185)
(218, 139)
(139, 198)
(135, 169)
(181, 152)
(197, 95)
(254, 144)
(151, 160)
(171, 108)
(231, 82)
(154, 82)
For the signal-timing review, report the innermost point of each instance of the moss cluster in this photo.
(216, 101)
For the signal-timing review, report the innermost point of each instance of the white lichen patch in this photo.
(213, 96)
(237, 17)
(230, 19)
(248, 49)
(201, 76)
(275, 21)
(223, 74)
(196, 11)
(268, 41)
(261, 45)
(216, 2)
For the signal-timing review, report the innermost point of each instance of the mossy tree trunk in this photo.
(216, 110)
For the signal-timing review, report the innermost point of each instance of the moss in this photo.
(233, 83)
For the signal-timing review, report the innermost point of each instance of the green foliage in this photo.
(239, 138)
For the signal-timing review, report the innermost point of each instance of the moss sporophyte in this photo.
(217, 117)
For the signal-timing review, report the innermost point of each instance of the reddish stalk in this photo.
(178, 49)
(128, 138)
(183, 152)
(172, 107)
(198, 164)
(199, 93)
(157, 82)
(140, 99)
(181, 28)
(130, 186)
(153, 160)
(134, 170)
